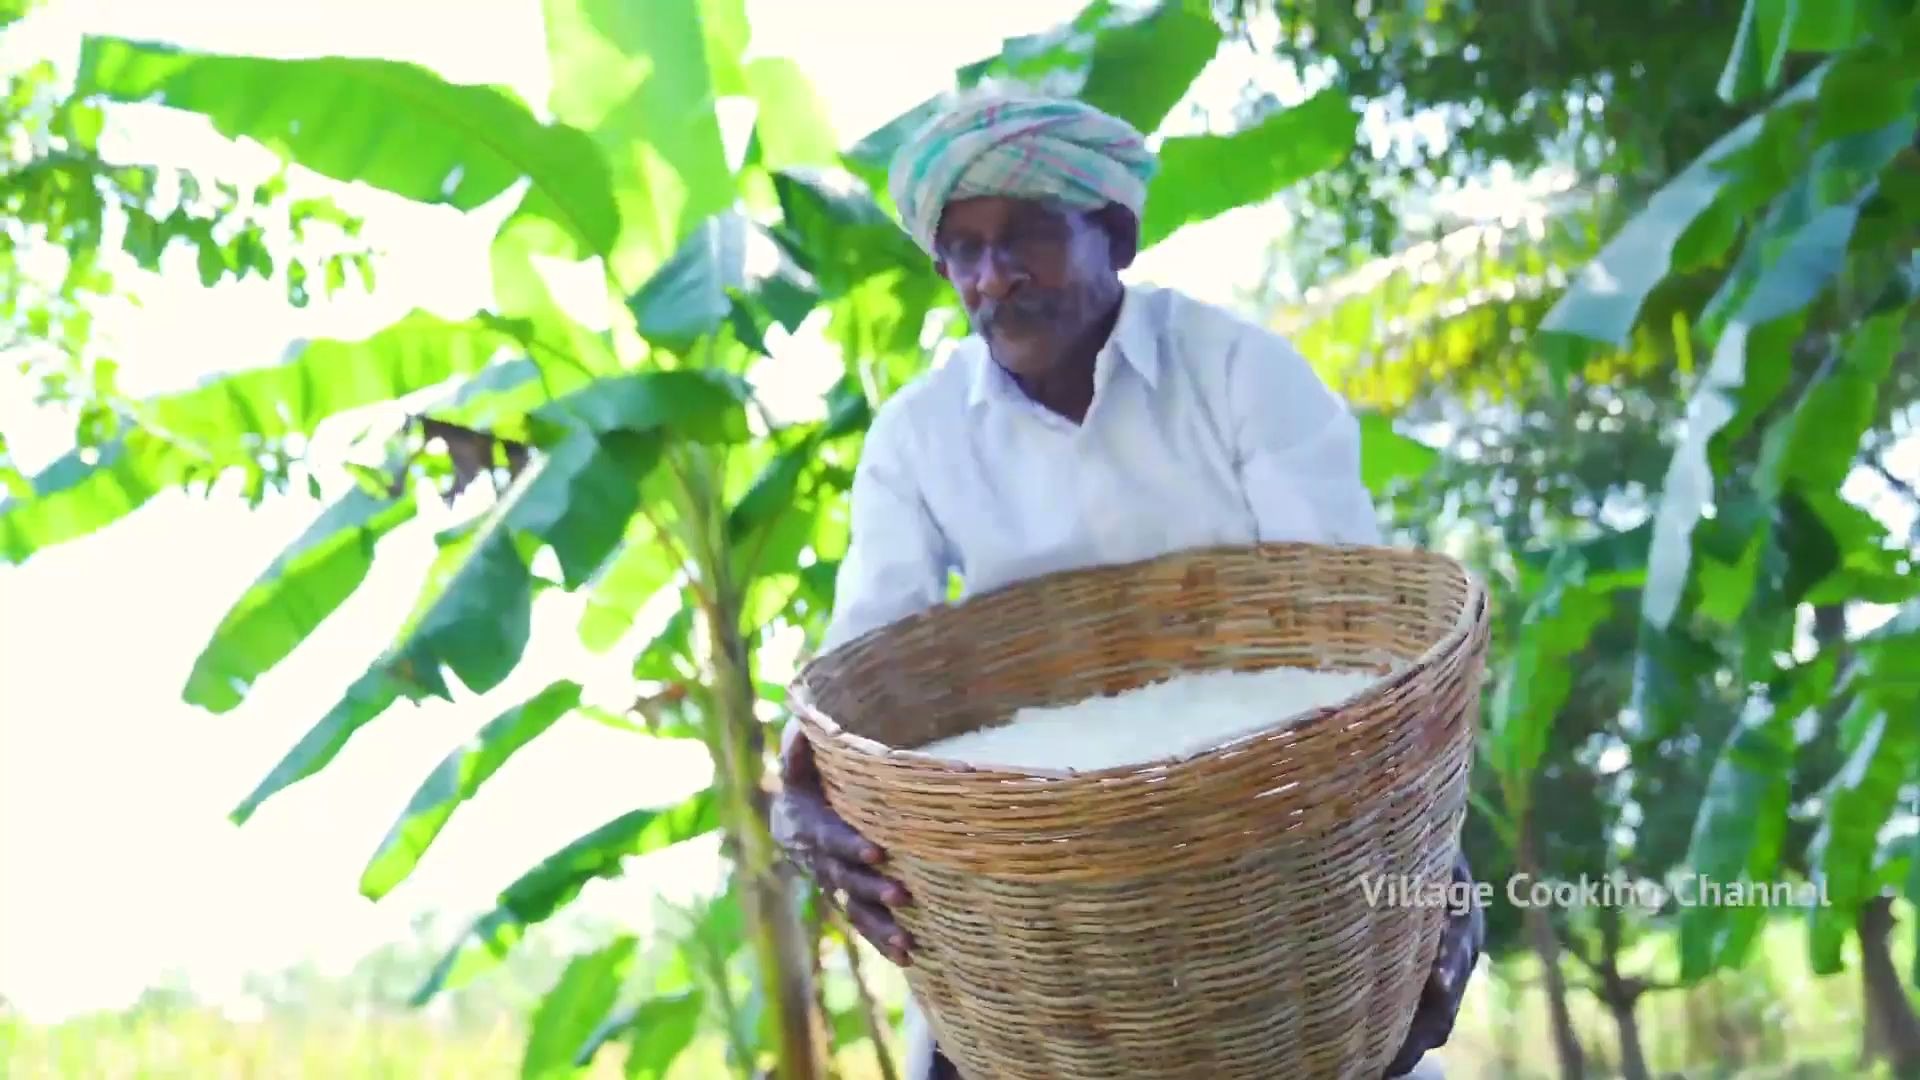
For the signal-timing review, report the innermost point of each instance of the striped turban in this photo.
(1021, 147)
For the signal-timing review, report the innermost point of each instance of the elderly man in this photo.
(1086, 421)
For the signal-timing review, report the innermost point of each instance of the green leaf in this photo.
(577, 499)
(1143, 66)
(1806, 231)
(1858, 804)
(659, 660)
(502, 399)
(1828, 26)
(872, 156)
(1536, 677)
(77, 496)
(1759, 48)
(457, 779)
(1868, 88)
(1388, 457)
(369, 696)
(559, 878)
(792, 124)
(644, 565)
(698, 404)
(474, 616)
(219, 424)
(639, 78)
(1913, 900)
(832, 222)
(296, 593)
(661, 1030)
(1202, 176)
(1815, 444)
(1759, 336)
(573, 1008)
(1603, 302)
(728, 260)
(1741, 826)
(395, 126)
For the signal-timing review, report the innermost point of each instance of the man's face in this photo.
(1034, 278)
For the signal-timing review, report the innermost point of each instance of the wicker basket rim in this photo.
(812, 717)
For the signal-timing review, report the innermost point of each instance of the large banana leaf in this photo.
(393, 125)
(1535, 677)
(1203, 176)
(728, 267)
(575, 1006)
(1605, 299)
(577, 498)
(1141, 65)
(645, 563)
(640, 78)
(200, 432)
(791, 122)
(1815, 444)
(1136, 62)
(1884, 757)
(294, 595)
(458, 779)
(558, 880)
(658, 1030)
(476, 622)
(1739, 834)
(1741, 381)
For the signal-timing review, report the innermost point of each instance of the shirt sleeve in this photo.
(897, 558)
(1297, 447)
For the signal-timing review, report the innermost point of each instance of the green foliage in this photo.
(464, 145)
(640, 459)
(1804, 325)
(549, 886)
(1202, 176)
(458, 779)
(567, 1018)
(294, 595)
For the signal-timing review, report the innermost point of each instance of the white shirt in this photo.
(1205, 429)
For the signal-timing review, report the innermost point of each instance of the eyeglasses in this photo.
(1027, 241)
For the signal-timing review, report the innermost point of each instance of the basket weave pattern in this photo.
(1196, 918)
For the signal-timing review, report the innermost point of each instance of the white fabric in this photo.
(1205, 429)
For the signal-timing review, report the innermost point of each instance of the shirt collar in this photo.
(1135, 341)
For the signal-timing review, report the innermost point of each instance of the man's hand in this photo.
(1453, 962)
(839, 860)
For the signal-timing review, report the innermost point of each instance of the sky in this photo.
(121, 870)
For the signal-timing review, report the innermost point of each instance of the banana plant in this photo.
(634, 463)
(1802, 222)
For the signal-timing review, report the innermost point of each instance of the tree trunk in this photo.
(1621, 996)
(1566, 1043)
(1892, 1027)
(780, 940)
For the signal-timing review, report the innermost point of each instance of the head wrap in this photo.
(1023, 147)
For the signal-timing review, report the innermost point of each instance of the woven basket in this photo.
(1202, 917)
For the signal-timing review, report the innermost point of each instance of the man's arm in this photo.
(897, 557)
(1298, 447)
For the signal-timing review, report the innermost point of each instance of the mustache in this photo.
(1017, 309)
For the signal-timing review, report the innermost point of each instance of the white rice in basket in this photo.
(1182, 715)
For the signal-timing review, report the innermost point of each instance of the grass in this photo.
(200, 1044)
(1773, 1021)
